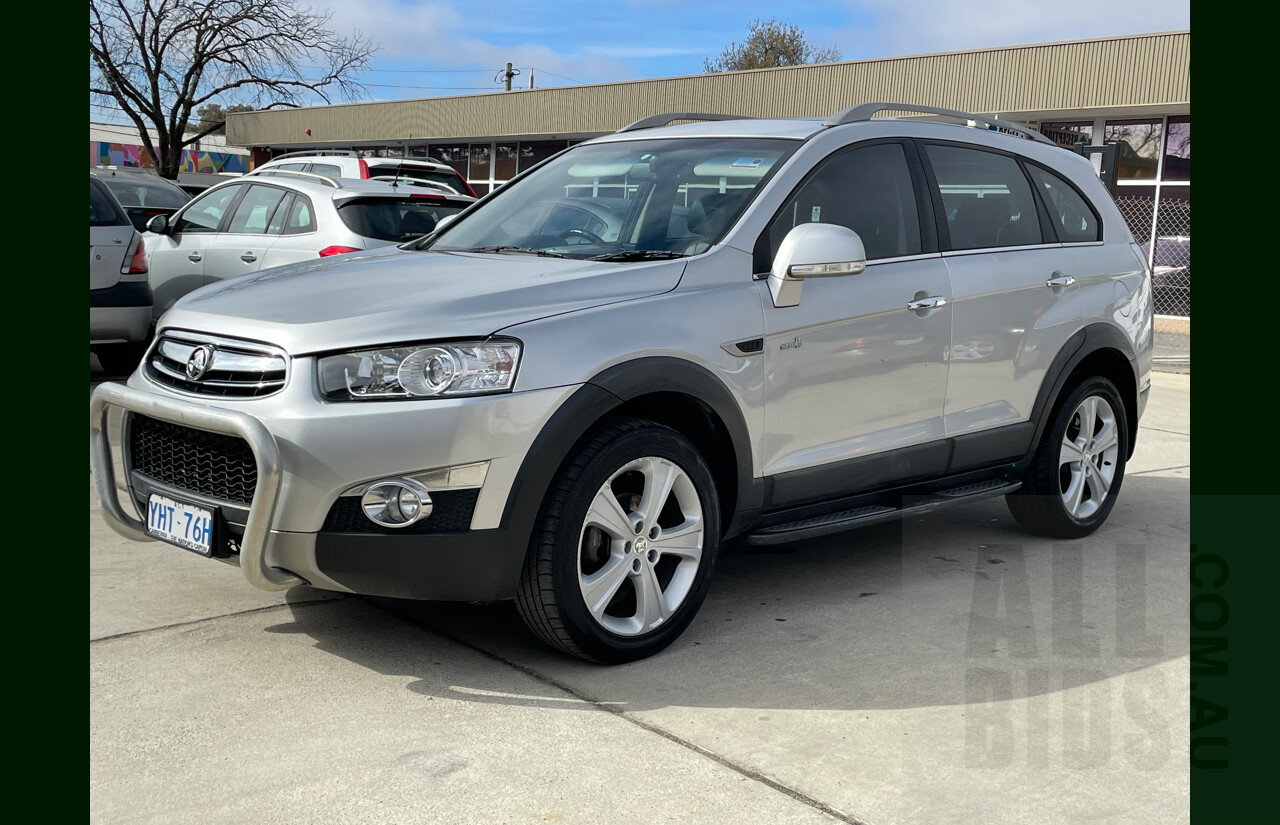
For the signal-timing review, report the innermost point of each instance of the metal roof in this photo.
(1140, 74)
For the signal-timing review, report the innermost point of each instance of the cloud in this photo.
(884, 28)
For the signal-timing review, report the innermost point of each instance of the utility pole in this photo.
(508, 75)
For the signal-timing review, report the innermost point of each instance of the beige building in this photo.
(1134, 92)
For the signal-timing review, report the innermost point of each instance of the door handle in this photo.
(194, 257)
(248, 257)
(931, 302)
(1059, 279)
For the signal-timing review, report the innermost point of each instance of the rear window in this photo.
(395, 220)
(445, 176)
(102, 210)
(143, 192)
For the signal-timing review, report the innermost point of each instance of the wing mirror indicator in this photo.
(814, 250)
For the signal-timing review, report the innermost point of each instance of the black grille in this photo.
(212, 464)
(450, 513)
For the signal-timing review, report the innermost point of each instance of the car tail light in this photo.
(419, 196)
(364, 169)
(135, 259)
(337, 250)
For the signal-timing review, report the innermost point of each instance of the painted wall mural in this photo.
(129, 154)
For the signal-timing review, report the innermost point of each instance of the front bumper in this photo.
(308, 452)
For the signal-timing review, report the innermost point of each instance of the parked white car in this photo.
(268, 219)
(347, 164)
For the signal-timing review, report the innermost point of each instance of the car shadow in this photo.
(942, 609)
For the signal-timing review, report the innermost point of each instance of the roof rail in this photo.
(311, 176)
(865, 111)
(345, 153)
(654, 121)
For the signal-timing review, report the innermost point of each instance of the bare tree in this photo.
(158, 60)
(769, 44)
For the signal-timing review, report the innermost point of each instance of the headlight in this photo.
(420, 371)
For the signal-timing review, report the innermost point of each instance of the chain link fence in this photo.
(1163, 228)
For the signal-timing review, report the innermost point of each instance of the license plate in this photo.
(180, 523)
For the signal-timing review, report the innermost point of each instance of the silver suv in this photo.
(651, 343)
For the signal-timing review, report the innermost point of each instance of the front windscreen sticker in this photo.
(747, 163)
(817, 214)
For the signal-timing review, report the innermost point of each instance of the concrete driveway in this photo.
(945, 669)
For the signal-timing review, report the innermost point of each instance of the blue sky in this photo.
(432, 48)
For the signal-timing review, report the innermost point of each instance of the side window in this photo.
(868, 189)
(292, 167)
(255, 210)
(326, 169)
(301, 217)
(986, 197)
(205, 212)
(1071, 214)
(276, 225)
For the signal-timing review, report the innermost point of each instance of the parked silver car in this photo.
(268, 219)
(119, 296)
(763, 345)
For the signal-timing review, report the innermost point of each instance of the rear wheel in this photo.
(622, 556)
(1075, 476)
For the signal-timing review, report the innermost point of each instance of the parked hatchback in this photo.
(770, 330)
(347, 164)
(119, 296)
(267, 219)
(144, 195)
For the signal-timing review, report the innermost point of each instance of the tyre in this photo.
(1077, 470)
(120, 359)
(621, 557)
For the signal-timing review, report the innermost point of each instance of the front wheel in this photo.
(1075, 475)
(622, 555)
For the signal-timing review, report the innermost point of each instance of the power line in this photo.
(562, 77)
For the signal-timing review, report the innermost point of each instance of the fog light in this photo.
(396, 502)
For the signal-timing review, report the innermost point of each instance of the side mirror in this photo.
(159, 225)
(445, 221)
(814, 250)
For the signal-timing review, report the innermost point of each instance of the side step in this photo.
(873, 514)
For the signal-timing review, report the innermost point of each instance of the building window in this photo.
(1139, 154)
(1068, 133)
(1177, 152)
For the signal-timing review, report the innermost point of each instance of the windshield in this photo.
(623, 200)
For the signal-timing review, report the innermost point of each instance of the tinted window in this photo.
(986, 197)
(255, 210)
(301, 217)
(394, 220)
(446, 177)
(102, 211)
(868, 190)
(205, 212)
(134, 191)
(1071, 216)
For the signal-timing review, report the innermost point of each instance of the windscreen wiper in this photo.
(524, 250)
(639, 255)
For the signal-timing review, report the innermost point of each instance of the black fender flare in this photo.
(1086, 341)
(600, 395)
